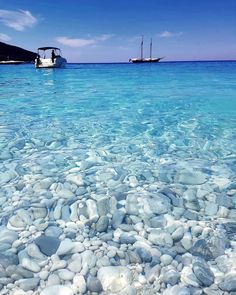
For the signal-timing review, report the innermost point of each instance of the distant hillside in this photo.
(10, 52)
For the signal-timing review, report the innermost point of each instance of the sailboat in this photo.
(141, 59)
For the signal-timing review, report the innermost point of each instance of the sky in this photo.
(111, 30)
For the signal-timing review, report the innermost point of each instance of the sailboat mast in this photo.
(142, 48)
(151, 48)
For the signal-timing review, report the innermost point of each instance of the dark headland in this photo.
(14, 53)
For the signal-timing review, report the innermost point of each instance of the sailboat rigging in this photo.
(143, 60)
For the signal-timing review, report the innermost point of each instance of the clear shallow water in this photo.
(129, 131)
(179, 110)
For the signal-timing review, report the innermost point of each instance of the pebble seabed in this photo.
(115, 217)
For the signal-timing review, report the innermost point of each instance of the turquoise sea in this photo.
(118, 132)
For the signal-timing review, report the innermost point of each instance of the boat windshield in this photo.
(48, 52)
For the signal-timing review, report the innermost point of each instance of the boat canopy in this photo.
(48, 48)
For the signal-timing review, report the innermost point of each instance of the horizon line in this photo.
(169, 61)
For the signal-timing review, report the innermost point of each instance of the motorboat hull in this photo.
(58, 62)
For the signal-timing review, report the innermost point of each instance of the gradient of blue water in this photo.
(175, 110)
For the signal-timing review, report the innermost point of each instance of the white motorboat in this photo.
(49, 60)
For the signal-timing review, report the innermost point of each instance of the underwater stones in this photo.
(48, 245)
(7, 176)
(201, 249)
(20, 220)
(186, 241)
(56, 290)
(203, 273)
(28, 284)
(157, 222)
(229, 283)
(5, 155)
(34, 252)
(76, 179)
(178, 234)
(88, 259)
(92, 210)
(114, 278)
(75, 264)
(225, 201)
(133, 182)
(103, 206)
(160, 238)
(65, 274)
(53, 231)
(157, 205)
(131, 205)
(57, 209)
(211, 209)
(190, 177)
(74, 211)
(166, 259)
(43, 184)
(117, 218)
(190, 214)
(79, 283)
(58, 264)
(6, 260)
(65, 247)
(21, 271)
(38, 213)
(177, 290)
(7, 236)
(188, 277)
(217, 242)
(102, 224)
(30, 265)
(153, 273)
(190, 195)
(174, 198)
(2, 200)
(144, 254)
(65, 213)
(134, 257)
(171, 276)
(53, 279)
(120, 192)
(230, 228)
(94, 284)
(127, 239)
(65, 193)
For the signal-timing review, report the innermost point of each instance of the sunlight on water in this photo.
(155, 141)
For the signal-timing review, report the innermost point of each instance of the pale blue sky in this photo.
(109, 31)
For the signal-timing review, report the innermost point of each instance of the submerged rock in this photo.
(56, 290)
(28, 284)
(201, 249)
(229, 283)
(102, 224)
(94, 284)
(127, 239)
(53, 231)
(114, 278)
(203, 273)
(6, 260)
(117, 218)
(144, 254)
(230, 228)
(48, 245)
(191, 177)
